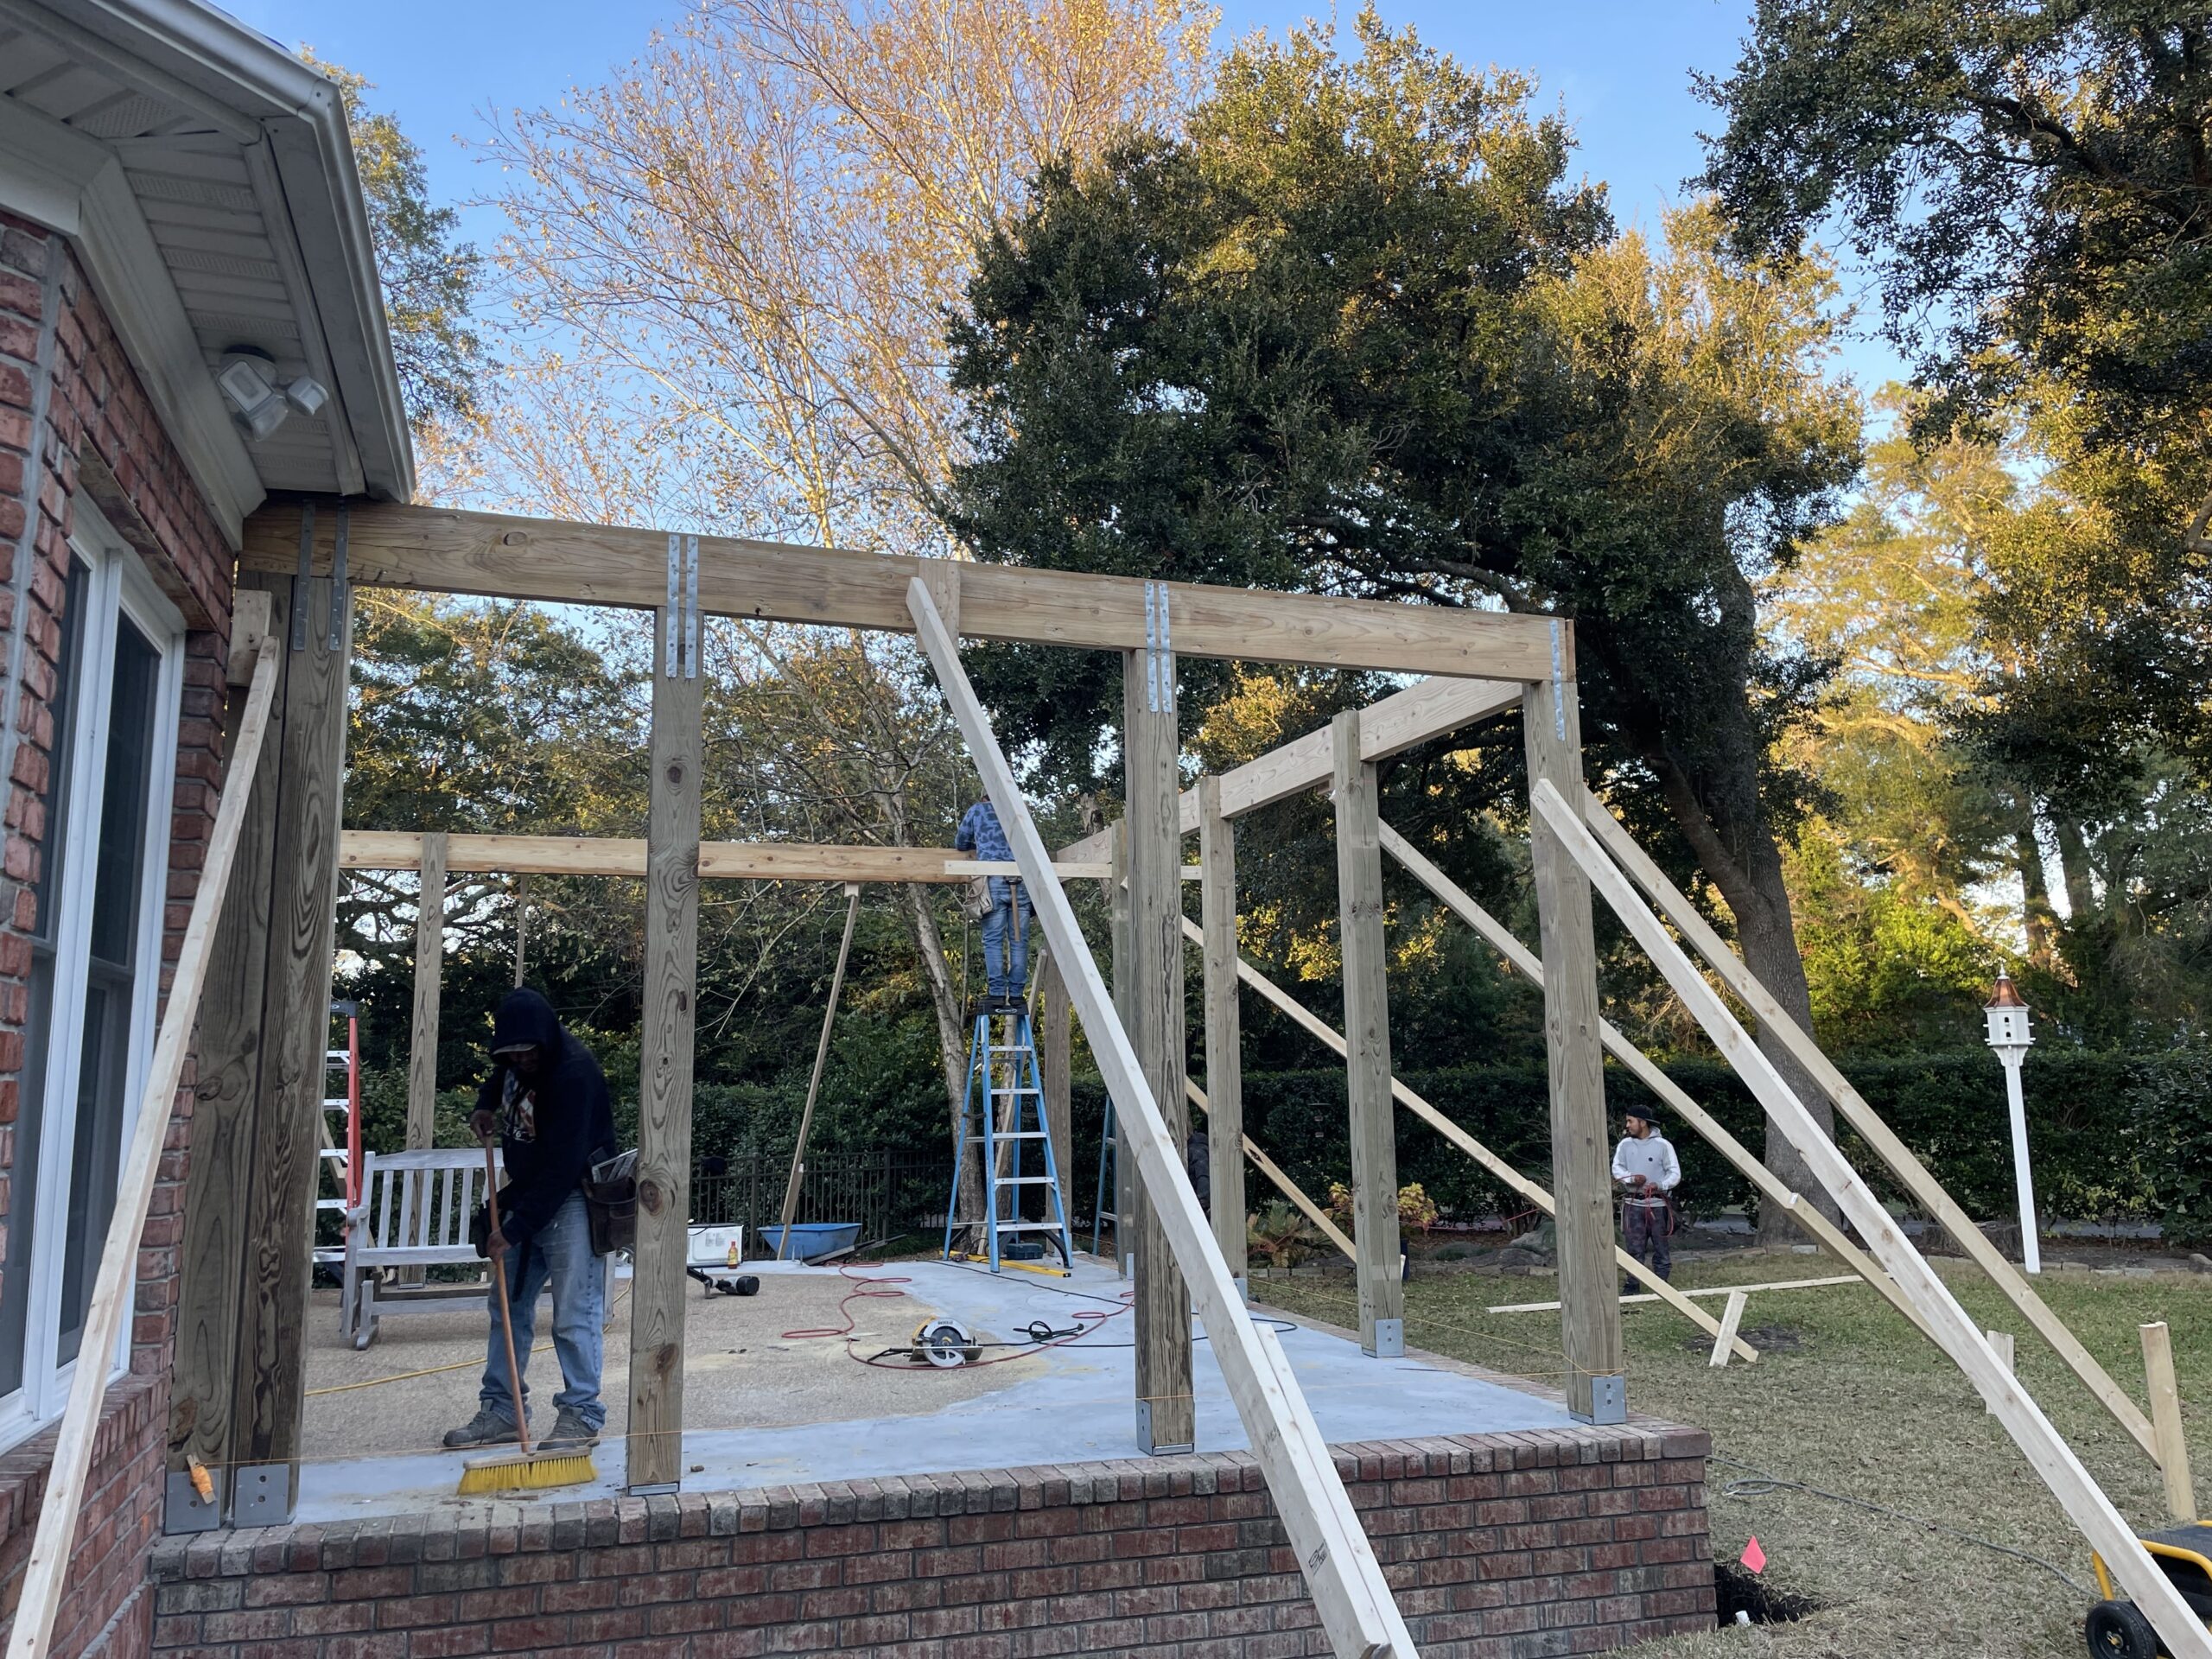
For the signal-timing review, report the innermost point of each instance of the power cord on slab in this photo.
(1757, 1483)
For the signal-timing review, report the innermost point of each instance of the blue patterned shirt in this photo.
(980, 834)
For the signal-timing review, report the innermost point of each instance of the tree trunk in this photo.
(2036, 917)
(1738, 852)
(2074, 860)
(951, 1028)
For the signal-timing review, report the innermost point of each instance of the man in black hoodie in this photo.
(546, 1098)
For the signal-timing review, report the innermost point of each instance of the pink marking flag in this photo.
(1753, 1557)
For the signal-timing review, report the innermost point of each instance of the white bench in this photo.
(414, 1212)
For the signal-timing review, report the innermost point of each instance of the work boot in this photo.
(570, 1433)
(489, 1426)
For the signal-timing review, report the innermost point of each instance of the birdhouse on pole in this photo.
(2008, 1023)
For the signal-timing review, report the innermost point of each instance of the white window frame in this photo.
(118, 587)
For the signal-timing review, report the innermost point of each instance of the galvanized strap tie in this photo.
(680, 656)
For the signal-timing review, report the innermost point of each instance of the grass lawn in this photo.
(1862, 1406)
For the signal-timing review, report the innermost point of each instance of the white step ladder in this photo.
(340, 1142)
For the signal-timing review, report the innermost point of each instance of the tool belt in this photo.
(611, 1203)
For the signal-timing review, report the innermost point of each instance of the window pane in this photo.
(22, 1184)
(111, 992)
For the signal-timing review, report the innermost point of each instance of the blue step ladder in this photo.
(1001, 1118)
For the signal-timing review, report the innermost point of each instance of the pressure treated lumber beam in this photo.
(1590, 1318)
(430, 975)
(1055, 1074)
(1403, 720)
(658, 1302)
(1290, 1189)
(1151, 759)
(1373, 1126)
(752, 860)
(445, 550)
(1956, 1332)
(46, 1569)
(1357, 1612)
(1922, 1185)
(277, 1212)
(1225, 1034)
(1510, 1178)
(1641, 1066)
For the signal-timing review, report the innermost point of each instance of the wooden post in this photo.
(1367, 1036)
(1054, 1062)
(522, 925)
(277, 1212)
(1224, 1030)
(1590, 1313)
(1730, 1320)
(657, 1296)
(2165, 1422)
(429, 974)
(212, 1254)
(1166, 1413)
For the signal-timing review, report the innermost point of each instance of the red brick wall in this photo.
(1547, 1542)
(74, 417)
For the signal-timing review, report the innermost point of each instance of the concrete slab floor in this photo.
(766, 1410)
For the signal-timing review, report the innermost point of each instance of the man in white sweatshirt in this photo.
(1645, 1167)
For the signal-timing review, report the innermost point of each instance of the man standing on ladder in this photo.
(1006, 924)
(1645, 1166)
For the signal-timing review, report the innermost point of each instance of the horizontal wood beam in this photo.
(1390, 726)
(752, 861)
(444, 550)
(1715, 1290)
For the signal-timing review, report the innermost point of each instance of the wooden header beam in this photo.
(1392, 725)
(440, 550)
(750, 860)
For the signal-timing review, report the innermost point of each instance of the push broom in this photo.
(524, 1470)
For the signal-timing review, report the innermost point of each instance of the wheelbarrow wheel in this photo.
(2117, 1629)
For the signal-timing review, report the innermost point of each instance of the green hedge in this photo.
(2114, 1136)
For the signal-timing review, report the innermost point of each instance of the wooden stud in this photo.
(46, 1568)
(1642, 1067)
(1357, 1612)
(1122, 1176)
(1224, 1030)
(1403, 720)
(658, 1302)
(212, 1253)
(1717, 1290)
(1590, 1317)
(2000, 1344)
(821, 1063)
(430, 975)
(1510, 1178)
(1367, 1032)
(268, 1398)
(1731, 1319)
(1955, 1330)
(2165, 1421)
(1150, 750)
(1922, 1186)
(1055, 1066)
(444, 550)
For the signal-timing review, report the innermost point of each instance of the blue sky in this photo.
(1620, 67)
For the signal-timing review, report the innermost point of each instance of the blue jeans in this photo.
(1006, 937)
(559, 1256)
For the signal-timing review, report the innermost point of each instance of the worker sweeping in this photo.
(1006, 923)
(1645, 1167)
(545, 1098)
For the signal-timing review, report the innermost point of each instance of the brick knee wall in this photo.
(1499, 1547)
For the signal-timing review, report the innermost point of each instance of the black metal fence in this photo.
(889, 1194)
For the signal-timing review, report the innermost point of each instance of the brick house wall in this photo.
(1519, 1545)
(75, 418)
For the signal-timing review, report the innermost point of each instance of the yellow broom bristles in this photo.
(532, 1473)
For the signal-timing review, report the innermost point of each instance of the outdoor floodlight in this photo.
(258, 404)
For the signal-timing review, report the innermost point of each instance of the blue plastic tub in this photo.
(810, 1239)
